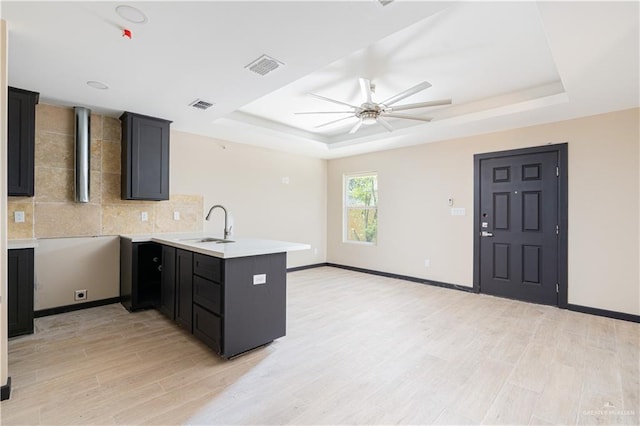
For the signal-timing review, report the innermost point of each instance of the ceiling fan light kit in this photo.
(368, 116)
(370, 112)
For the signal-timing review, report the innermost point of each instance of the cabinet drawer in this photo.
(207, 267)
(207, 327)
(207, 294)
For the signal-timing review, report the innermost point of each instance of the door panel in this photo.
(519, 215)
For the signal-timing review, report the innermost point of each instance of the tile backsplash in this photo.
(53, 211)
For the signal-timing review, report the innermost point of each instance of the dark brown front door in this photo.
(518, 225)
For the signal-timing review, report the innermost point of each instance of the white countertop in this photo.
(22, 244)
(240, 247)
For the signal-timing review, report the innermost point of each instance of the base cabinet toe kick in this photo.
(232, 305)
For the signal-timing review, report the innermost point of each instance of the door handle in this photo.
(486, 234)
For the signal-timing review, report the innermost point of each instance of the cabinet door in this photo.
(21, 122)
(20, 291)
(145, 157)
(168, 282)
(207, 327)
(184, 291)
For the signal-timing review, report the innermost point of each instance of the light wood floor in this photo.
(359, 349)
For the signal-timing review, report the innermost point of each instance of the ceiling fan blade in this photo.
(324, 112)
(421, 105)
(365, 88)
(332, 100)
(356, 127)
(385, 123)
(410, 91)
(410, 117)
(335, 121)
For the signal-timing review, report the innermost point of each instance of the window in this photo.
(361, 208)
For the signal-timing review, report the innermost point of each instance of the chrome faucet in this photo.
(227, 231)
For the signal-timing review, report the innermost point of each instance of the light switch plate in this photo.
(259, 279)
(176, 215)
(458, 211)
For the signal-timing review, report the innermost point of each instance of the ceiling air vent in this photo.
(200, 104)
(264, 65)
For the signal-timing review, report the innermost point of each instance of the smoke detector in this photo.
(264, 65)
(200, 104)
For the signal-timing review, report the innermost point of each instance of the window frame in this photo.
(346, 207)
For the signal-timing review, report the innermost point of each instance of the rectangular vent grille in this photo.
(200, 104)
(264, 65)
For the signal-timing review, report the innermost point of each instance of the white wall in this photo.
(64, 265)
(247, 181)
(415, 221)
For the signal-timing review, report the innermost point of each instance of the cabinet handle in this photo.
(160, 268)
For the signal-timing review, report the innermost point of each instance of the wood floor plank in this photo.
(359, 349)
(513, 406)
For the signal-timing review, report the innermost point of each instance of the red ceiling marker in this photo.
(126, 33)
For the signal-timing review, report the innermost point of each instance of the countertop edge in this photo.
(277, 247)
(242, 247)
(22, 244)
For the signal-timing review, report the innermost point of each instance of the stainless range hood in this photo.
(82, 153)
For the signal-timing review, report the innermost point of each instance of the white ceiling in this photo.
(504, 64)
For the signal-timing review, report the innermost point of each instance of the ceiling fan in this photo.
(370, 112)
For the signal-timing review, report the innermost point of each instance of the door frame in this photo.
(563, 206)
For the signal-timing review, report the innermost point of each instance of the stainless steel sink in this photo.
(215, 240)
(208, 240)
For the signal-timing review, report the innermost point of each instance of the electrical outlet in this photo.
(176, 215)
(427, 263)
(144, 216)
(285, 180)
(80, 295)
(18, 217)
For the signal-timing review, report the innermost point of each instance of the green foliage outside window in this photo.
(362, 208)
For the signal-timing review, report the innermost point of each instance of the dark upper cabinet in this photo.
(20, 291)
(145, 157)
(21, 129)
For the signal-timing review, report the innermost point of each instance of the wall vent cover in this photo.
(264, 65)
(200, 104)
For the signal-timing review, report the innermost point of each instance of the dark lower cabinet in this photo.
(140, 269)
(21, 126)
(168, 282)
(184, 288)
(232, 305)
(234, 310)
(20, 291)
(207, 327)
(254, 314)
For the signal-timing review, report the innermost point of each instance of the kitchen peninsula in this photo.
(229, 293)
